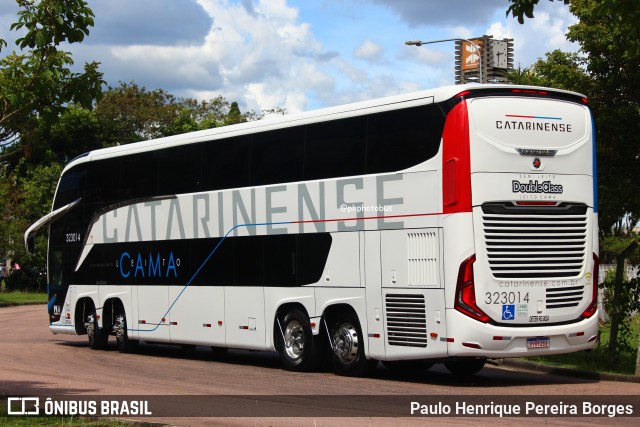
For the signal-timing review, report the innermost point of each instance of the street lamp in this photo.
(475, 46)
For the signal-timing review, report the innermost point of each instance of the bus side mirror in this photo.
(31, 243)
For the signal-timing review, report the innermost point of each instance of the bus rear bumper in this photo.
(470, 338)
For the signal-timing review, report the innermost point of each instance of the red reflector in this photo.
(219, 322)
(163, 320)
(206, 325)
(375, 335)
(433, 335)
(471, 345)
(530, 91)
(528, 203)
(174, 323)
(585, 100)
(580, 334)
(142, 322)
(97, 316)
(593, 307)
(449, 339)
(462, 94)
(498, 338)
(312, 324)
(244, 327)
(68, 315)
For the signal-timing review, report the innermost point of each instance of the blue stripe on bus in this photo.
(202, 266)
(51, 301)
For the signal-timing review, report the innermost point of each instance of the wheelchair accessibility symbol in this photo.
(508, 312)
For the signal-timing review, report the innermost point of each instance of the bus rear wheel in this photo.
(407, 366)
(125, 345)
(465, 367)
(298, 348)
(347, 345)
(98, 338)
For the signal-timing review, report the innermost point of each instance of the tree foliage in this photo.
(607, 72)
(37, 80)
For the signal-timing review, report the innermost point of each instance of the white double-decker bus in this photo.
(450, 225)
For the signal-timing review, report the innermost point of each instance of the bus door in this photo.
(370, 241)
(412, 291)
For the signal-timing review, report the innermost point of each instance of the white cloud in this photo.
(261, 56)
(544, 33)
(301, 55)
(370, 51)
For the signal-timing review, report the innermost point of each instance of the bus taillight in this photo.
(593, 307)
(465, 301)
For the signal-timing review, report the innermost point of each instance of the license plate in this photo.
(541, 342)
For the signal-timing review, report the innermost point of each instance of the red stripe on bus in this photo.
(456, 164)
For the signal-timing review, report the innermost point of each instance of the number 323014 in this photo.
(506, 297)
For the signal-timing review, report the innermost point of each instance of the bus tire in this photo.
(347, 344)
(98, 338)
(407, 366)
(125, 345)
(299, 350)
(465, 367)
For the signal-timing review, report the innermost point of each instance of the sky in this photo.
(297, 54)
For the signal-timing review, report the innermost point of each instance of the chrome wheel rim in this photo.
(345, 343)
(120, 328)
(294, 340)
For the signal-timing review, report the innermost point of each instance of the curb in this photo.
(18, 304)
(567, 372)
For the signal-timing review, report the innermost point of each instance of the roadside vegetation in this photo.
(22, 298)
(33, 421)
(596, 360)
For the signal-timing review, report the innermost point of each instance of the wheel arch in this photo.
(280, 312)
(84, 306)
(334, 310)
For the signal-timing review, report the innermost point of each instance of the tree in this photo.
(129, 113)
(609, 37)
(234, 115)
(25, 194)
(608, 74)
(37, 80)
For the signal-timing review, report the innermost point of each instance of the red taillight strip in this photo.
(465, 301)
(456, 165)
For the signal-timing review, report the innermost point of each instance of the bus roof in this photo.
(314, 116)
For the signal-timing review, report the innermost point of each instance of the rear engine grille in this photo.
(564, 297)
(541, 242)
(406, 320)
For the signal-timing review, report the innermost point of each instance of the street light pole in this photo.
(475, 46)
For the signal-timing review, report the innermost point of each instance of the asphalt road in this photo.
(35, 362)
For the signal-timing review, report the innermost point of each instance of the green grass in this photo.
(41, 421)
(21, 298)
(596, 360)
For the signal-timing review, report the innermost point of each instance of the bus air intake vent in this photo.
(406, 320)
(535, 242)
(422, 254)
(564, 297)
